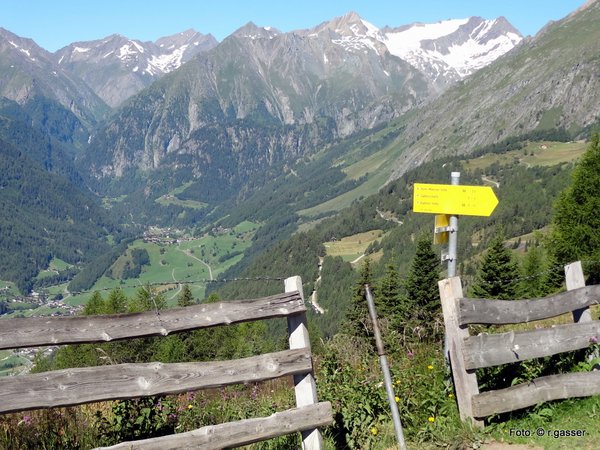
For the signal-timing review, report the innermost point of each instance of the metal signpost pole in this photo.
(453, 238)
(452, 255)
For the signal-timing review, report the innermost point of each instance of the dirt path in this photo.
(178, 285)
(191, 255)
(358, 259)
(388, 216)
(487, 180)
(313, 296)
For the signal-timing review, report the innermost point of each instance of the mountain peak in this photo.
(253, 31)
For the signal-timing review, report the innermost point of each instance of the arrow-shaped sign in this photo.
(455, 200)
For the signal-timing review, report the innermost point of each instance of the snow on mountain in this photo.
(117, 67)
(452, 49)
(445, 51)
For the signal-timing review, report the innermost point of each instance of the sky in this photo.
(53, 24)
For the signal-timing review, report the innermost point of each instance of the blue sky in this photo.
(56, 23)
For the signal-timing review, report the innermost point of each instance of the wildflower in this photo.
(594, 340)
(410, 354)
(374, 431)
(26, 420)
(431, 419)
(450, 395)
(190, 406)
(430, 367)
(397, 382)
(397, 399)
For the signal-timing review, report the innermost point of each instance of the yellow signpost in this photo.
(454, 199)
(441, 229)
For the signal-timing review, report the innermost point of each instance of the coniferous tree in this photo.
(185, 298)
(533, 267)
(421, 285)
(497, 277)
(389, 295)
(95, 305)
(116, 302)
(147, 299)
(575, 233)
(357, 317)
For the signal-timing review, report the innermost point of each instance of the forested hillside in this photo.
(45, 210)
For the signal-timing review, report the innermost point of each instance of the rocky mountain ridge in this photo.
(117, 67)
(28, 75)
(323, 83)
(549, 82)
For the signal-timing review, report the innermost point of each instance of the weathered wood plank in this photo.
(39, 331)
(488, 350)
(305, 386)
(91, 384)
(574, 279)
(465, 382)
(553, 387)
(498, 312)
(234, 434)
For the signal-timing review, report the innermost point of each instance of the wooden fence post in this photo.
(574, 279)
(305, 386)
(465, 382)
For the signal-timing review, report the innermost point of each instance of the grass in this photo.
(187, 261)
(171, 198)
(11, 364)
(542, 153)
(551, 418)
(352, 247)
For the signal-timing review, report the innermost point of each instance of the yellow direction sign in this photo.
(456, 200)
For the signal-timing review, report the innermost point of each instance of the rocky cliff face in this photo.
(272, 95)
(28, 74)
(117, 67)
(550, 81)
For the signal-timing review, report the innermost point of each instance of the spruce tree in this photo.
(357, 317)
(147, 299)
(185, 298)
(498, 274)
(116, 302)
(388, 294)
(533, 267)
(575, 234)
(95, 305)
(421, 285)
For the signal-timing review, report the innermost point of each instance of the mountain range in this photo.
(344, 103)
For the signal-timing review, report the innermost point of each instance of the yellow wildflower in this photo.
(431, 419)
(190, 406)
(374, 431)
(430, 367)
(397, 399)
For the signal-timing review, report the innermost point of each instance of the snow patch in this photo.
(80, 50)
(461, 58)
(168, 62)
(402, 43)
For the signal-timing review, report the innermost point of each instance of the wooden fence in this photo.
(468, 353)
(122, 381)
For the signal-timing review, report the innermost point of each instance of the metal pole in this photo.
(386, 370)
(452, 255)
(453, 238)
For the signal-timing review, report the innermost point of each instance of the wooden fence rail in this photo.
(468, 353)
(123, 381)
